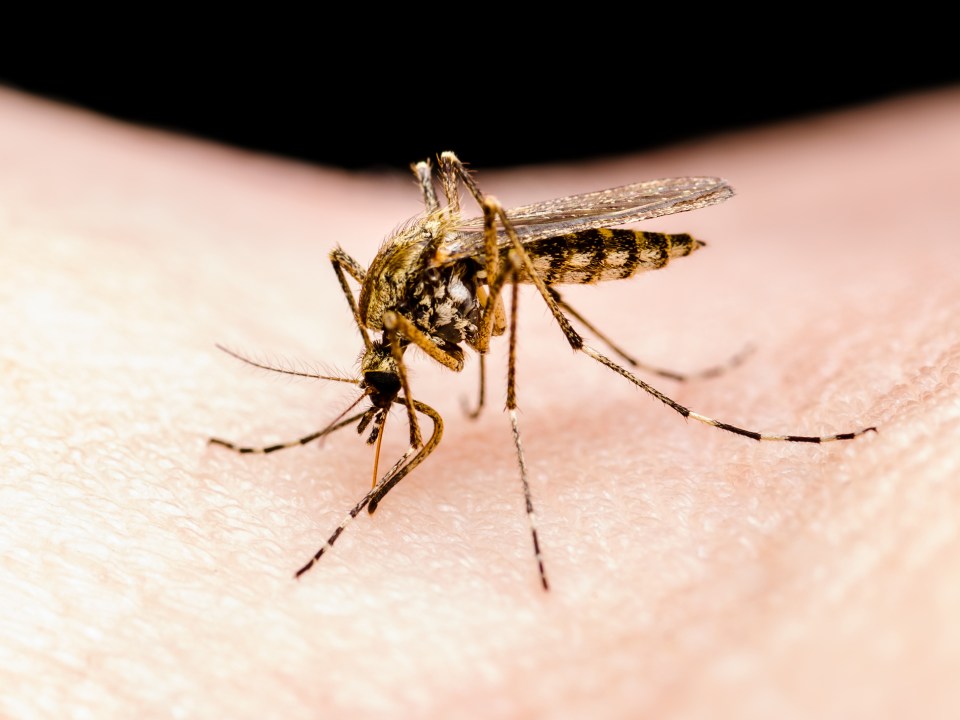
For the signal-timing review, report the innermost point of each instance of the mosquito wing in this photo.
(603, 208)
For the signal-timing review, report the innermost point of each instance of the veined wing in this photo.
(602, 208)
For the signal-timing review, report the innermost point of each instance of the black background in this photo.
(360, 108)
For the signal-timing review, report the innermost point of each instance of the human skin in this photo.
(693, 572)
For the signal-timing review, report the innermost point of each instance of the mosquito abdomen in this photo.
(591, 256)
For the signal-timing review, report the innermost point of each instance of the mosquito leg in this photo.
(425, 179)
(531, 515)
(451, 170)
(396, 474)
(328, 545)
(512, 409)
(491, 320)
(495, 279)
(393, 338)
(493, 207)
(686, 412)
(295, 443)
(343, 262)
(474, 413)
(451, 357)
(701, 374)
(396, 326)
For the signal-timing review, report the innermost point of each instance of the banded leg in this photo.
(511, 271)
(686, 412)
(709, 372)
(332, 427)
(395, 475)
(514, 422)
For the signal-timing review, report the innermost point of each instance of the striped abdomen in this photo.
(590, 256)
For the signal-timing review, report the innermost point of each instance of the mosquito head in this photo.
(381, 379)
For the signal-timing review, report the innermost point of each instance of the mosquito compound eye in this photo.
(385, 387)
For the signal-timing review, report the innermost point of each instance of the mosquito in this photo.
(439, 283)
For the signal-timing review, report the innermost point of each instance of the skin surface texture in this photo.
(693, 573)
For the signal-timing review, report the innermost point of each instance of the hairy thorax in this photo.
(405, 277)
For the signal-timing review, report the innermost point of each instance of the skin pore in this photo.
(693, 572)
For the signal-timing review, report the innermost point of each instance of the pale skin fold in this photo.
(692, 572)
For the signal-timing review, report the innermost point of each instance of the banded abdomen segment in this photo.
(590, 256)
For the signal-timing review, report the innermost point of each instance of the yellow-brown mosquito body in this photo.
(438, 282)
